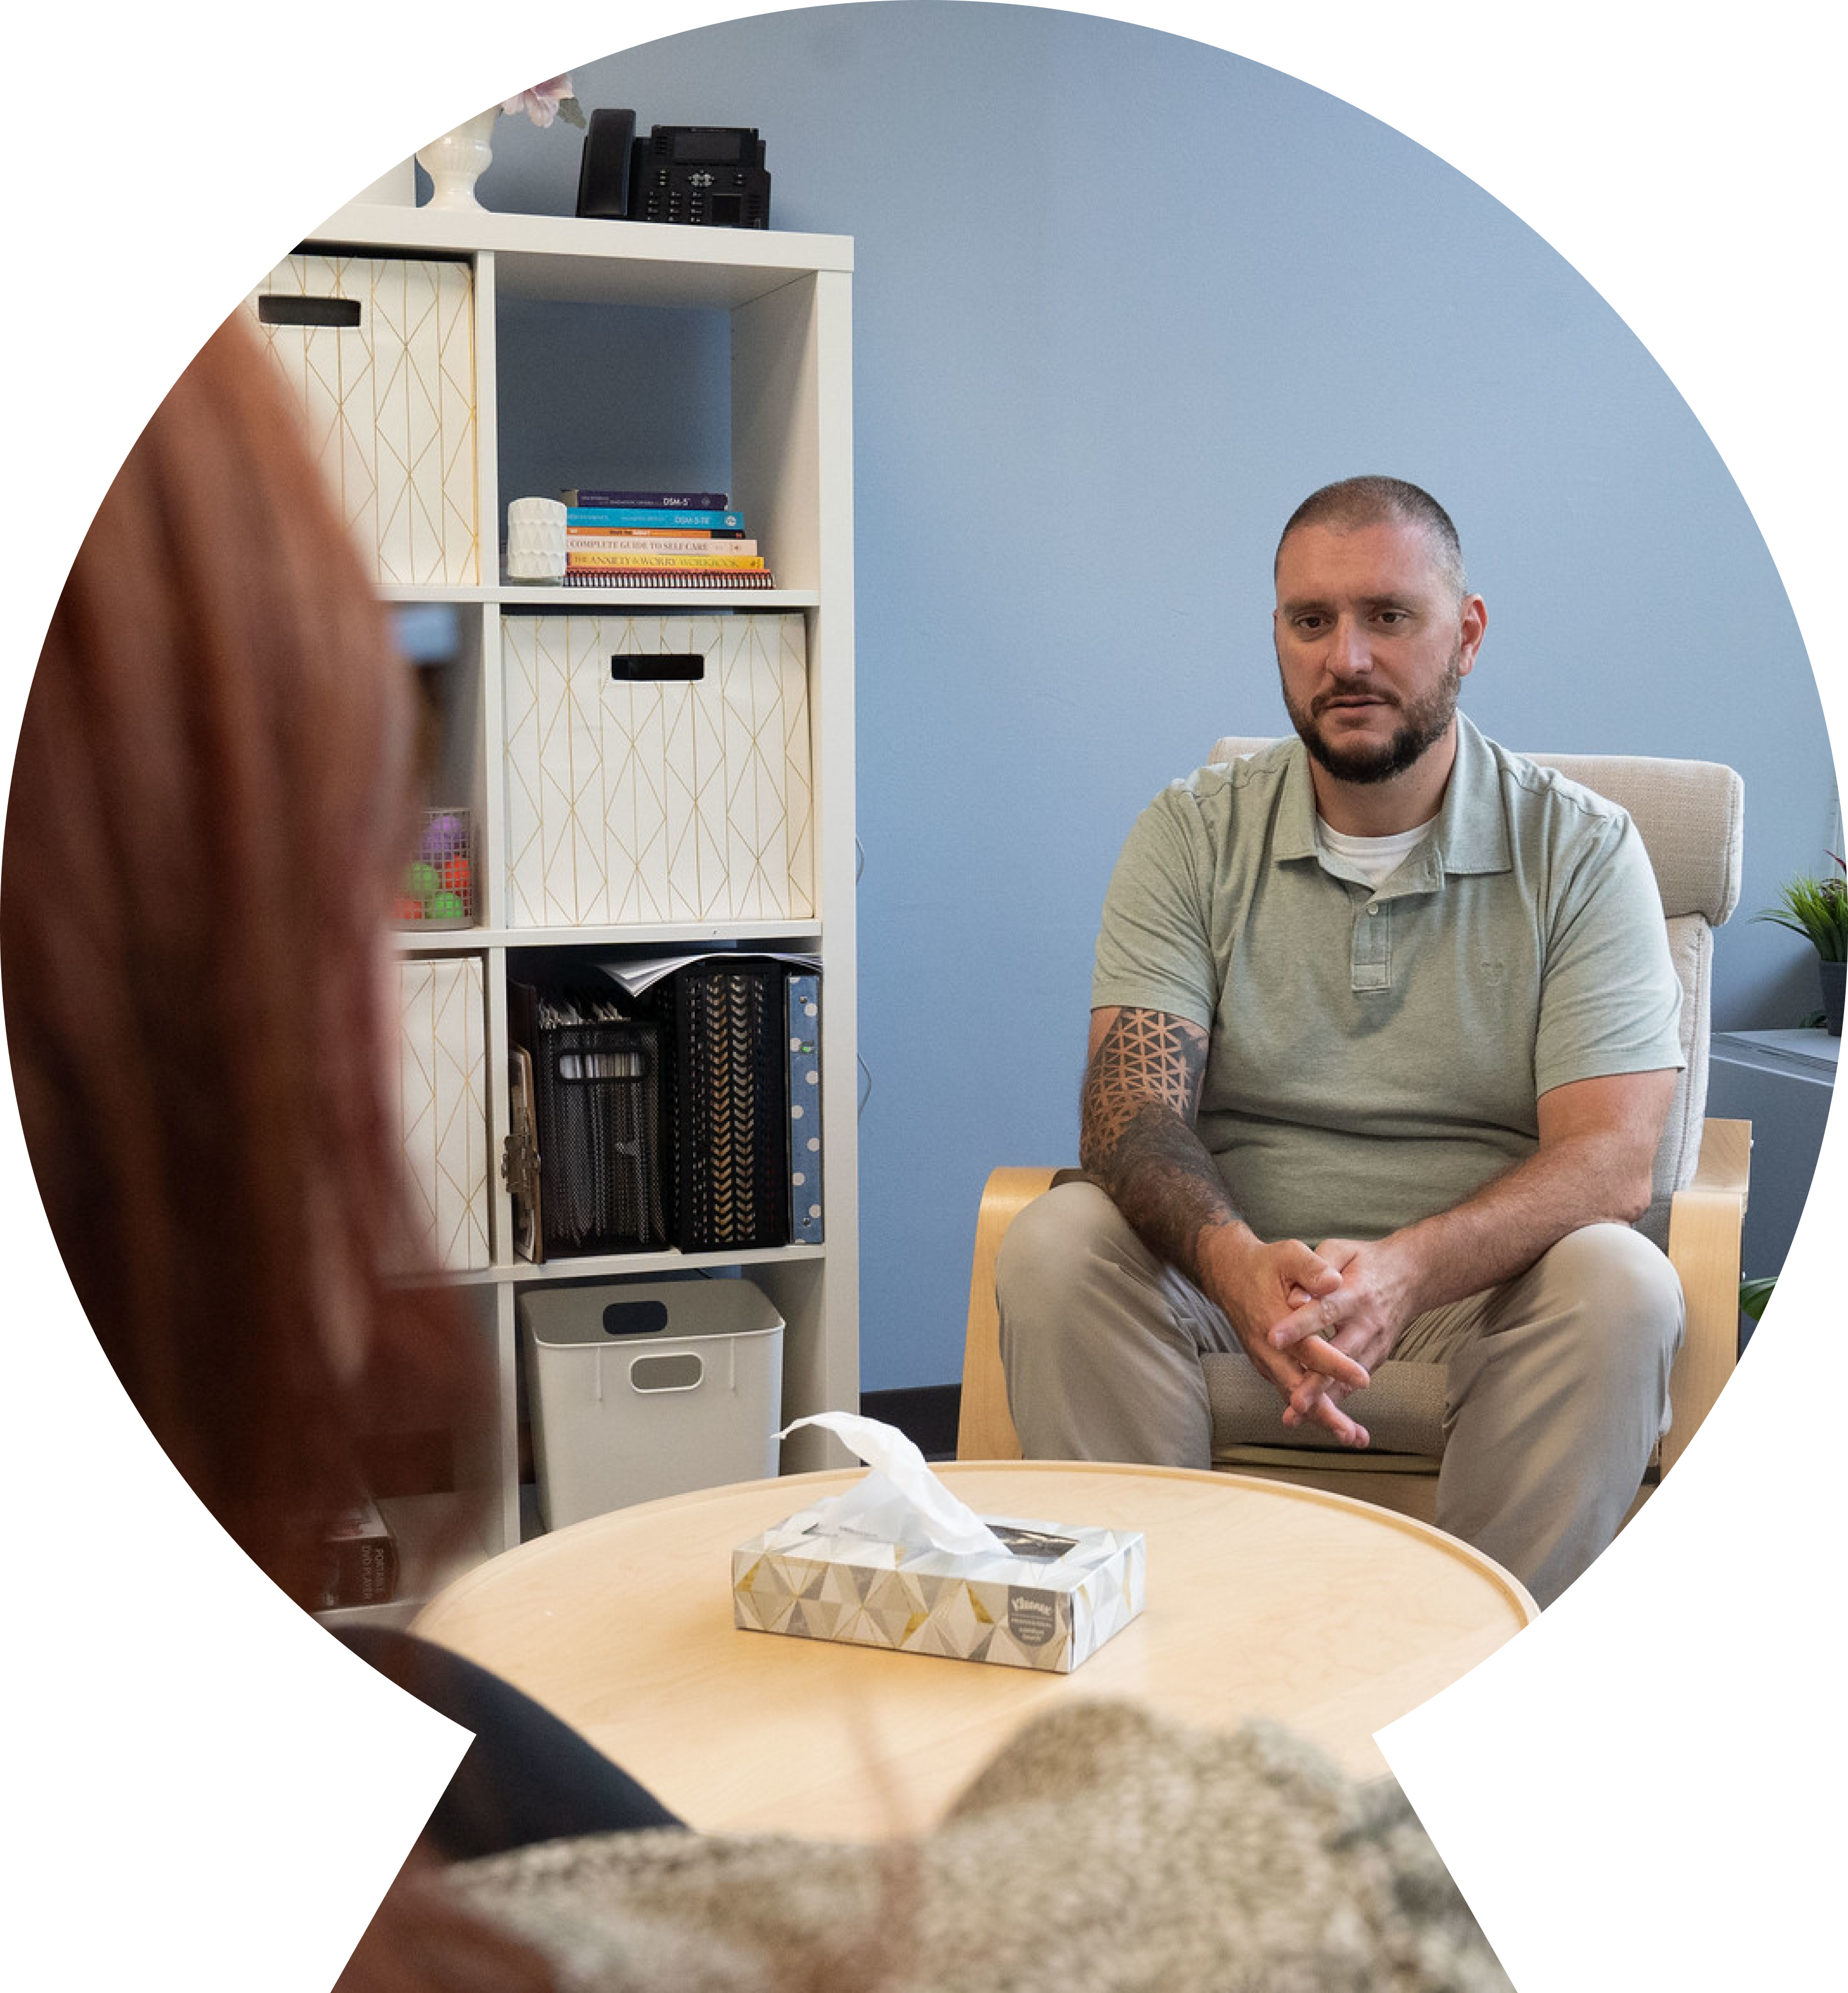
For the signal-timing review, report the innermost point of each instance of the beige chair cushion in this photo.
(1691, 815)
(1691, 949)
(1402, 1410)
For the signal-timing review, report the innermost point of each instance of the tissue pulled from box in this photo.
(898, 1561)
(898, 1500)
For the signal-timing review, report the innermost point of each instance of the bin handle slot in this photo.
(635, 1318)
(657, 667)
(681, 1372)
(341, 312)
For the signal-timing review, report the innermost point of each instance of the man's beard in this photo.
(1421, 725)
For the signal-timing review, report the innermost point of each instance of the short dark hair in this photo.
(1355, 502)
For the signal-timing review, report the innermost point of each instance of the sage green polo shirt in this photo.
(1377, 1055)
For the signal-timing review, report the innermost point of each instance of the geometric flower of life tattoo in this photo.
(1144, 1055)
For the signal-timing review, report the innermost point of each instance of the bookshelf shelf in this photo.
(776, 309)
(579, 601)
(690, 936)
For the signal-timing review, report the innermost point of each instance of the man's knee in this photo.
(1623, 1288)
(1098, 1365)
(1045, 1275)
(1051, 1245)
(1615, 1266)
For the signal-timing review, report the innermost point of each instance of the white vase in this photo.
(459, 158)
(536, 540)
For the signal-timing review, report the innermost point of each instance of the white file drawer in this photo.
(642, 1390)
(380, 352)
(656, 798)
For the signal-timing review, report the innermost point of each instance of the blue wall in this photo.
(1089, 383)
(1121, 299)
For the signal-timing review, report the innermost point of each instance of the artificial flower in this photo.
(553, 98)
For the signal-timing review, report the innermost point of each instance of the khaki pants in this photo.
(1557, 1385)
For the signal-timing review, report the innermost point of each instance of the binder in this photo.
(727, 1096)
(595, 1093)
(734, 1074)
(802, 1015)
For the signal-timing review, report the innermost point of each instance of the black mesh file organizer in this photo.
(596, 1093)
(724, 1027)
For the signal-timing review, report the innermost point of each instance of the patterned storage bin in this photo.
(657, 769)
(380, 352)
(444, 1084)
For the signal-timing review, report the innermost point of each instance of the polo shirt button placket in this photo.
(1371, 966)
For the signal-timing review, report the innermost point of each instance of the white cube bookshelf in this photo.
(786, 300)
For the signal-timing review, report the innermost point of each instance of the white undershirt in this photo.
(1376, 859)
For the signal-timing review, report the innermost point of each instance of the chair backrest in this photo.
(1691, 816)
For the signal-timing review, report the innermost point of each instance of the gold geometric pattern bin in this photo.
(633, 798)
(444, 1093)
(1043, 1610)
(389, 400)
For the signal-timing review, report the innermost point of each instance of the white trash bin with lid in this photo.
(639, 1390)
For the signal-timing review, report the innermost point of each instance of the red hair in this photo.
(208, 806)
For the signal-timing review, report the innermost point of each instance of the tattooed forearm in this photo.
(1144, 1055)
(1136, 1134)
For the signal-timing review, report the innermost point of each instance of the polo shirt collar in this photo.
(1471, 834)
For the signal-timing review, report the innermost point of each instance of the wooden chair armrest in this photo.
(1705, 1222)
(985, 1429)
(1725, 1162)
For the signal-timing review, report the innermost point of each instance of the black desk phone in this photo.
(703, 176)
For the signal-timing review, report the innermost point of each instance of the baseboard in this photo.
(925, 1414)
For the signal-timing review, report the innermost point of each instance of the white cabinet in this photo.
(775, 859)
(1782, 1082)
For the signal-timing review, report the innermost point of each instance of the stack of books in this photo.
(658, 539)
(359, 1558)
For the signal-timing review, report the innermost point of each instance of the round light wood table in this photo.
(1264, 1599)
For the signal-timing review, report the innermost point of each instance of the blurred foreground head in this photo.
(208, 807)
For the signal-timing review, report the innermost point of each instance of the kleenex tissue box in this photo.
(898, 1562)
(1049, 1604)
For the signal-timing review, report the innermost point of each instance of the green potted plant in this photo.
(1818, 910)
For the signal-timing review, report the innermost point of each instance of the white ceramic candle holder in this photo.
(536, 540)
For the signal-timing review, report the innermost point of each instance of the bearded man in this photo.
(1390, 988)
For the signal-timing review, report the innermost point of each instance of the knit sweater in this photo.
(1103, 1850)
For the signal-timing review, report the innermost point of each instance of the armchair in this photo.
(1690, 815)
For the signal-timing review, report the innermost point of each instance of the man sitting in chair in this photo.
(1394, 989)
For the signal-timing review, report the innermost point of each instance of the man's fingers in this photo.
(1313, 1378)
(1313, 1315)
(1323, 1383)
(1314, 1325)
(1322, 1411)
(1314, 1398)
(1309, 1271)
(1312, 1346)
